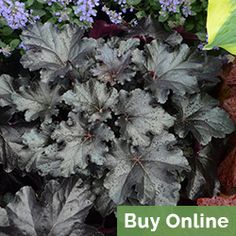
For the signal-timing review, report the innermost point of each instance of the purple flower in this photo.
(86, 10)
(124, 6)
(200, 46)
(186, 11)
(175, 6)
(14, 13)
(22, 46)
(62, 15)
(114, 16)
(171, 5)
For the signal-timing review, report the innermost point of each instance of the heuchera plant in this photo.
(132, 122)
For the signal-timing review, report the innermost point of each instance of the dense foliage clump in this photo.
(115, 121)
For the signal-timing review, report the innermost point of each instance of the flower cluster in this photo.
(186, 10)
(124, 6)
(14, 13)
(115, 17)
(175, 6)
(86, 9)
(17, 16)
(62, 15)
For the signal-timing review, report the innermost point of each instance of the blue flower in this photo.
(14, 13)
(86, 10)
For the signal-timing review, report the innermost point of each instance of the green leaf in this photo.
(201, 36)
(221, 25)
(29, 3)
(162, 18)
(39, 12)
(6, 31)
(189, 26)
(133, 2)
(140, 14)
(14, 43)
(2, 44)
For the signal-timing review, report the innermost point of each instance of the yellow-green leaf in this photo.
(221, 25)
